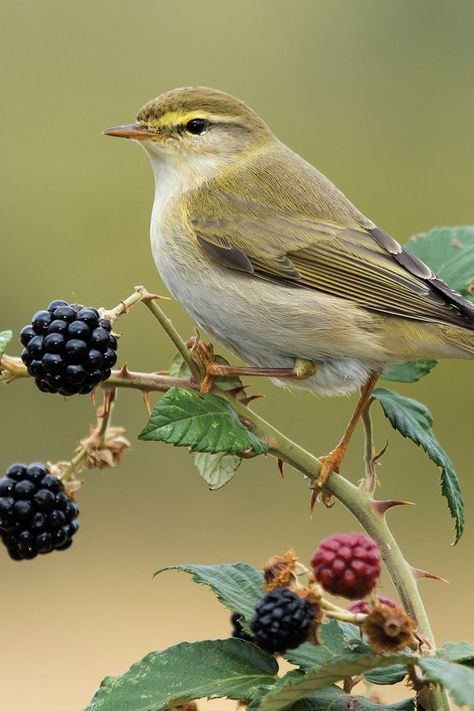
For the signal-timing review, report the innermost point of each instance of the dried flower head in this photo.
(107, 451)
(389, 628)
(279, 570)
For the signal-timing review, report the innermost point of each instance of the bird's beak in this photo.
(130, 130)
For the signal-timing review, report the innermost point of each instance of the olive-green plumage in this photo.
(273, 260)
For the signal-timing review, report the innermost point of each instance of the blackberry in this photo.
(282, 620)
(36, 514)
(237, 630)
(347, 565)
(68, 348)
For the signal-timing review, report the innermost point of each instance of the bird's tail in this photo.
(462, 339)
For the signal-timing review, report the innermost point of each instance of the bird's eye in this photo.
(197, 126)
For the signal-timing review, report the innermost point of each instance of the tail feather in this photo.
(461, 338)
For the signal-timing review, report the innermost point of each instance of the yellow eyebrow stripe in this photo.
(180, 118)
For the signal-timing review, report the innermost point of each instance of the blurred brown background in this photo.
(379, 96)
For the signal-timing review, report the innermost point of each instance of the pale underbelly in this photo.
(268, 325)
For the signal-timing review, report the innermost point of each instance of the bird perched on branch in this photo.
(272, 260)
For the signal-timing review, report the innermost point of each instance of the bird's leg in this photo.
(332, 461)
(203, 353)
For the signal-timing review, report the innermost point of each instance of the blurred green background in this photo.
(379, 96)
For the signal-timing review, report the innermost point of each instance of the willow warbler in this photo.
(272, 260)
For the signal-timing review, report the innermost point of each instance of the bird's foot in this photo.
(330, 463)
(203, 354)
(304, 368)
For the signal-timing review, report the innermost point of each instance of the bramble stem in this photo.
(73, 465)
(173, 334)
(146, 382)
(369, 482)
(103, 421)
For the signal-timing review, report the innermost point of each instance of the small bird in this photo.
(272, 260)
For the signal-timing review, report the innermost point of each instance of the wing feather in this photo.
(298, 241)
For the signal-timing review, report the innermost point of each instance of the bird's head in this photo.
(194, 126)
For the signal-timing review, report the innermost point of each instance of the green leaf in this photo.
(237, 585)
(214, 669)
(334, 699)
(293, 687)
(5, 338)
(448, 251)
(457, 652)
(332, 644)
(202, 421)
(413, 420)
(389, 675)
(409, 372)
(216, 469)
(179, 367)
(457, 678)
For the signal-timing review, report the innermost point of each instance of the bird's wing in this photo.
(359, 262)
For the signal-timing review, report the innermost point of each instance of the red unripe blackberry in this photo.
(365, 607)
(347, 565)
(36, 514)
(68, 349)
(282, 620)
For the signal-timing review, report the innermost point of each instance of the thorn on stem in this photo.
(247, 400)
(124, 371)
(146, 400)
(280, 467)
(378, 455)
(381, 507)
(419, 573)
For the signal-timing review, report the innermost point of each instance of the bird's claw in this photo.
(330, 463)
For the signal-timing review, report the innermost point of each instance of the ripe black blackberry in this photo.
(36, 514)
(282, 620)
(237, 630)
(68, 348)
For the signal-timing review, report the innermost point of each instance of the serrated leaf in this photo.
(237, 585)
(414, 421)
(202, 421)
(334, 699)
(293, 687)
(448, 251)
(220, 668)
(389, 675)
(216, 469)
(409, 372)
(457, 652)
(5, 338)
(457, 678)
(334, 642)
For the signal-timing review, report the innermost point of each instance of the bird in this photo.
(272, 260)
